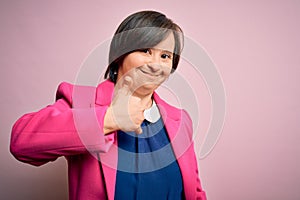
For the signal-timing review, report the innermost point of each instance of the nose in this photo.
(154, 64)
(153, 67)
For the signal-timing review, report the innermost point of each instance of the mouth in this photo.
(151, 74)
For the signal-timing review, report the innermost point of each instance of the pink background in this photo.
(255, 45)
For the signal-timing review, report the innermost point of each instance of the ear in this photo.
(113, 72)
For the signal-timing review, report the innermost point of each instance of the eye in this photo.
(165, 55)
(145, 51)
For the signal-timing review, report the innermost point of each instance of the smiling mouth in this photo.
(149, 73)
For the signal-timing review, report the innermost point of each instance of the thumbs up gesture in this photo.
(126, 111)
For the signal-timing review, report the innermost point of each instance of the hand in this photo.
(126, 111)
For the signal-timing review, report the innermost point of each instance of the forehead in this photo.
(168, 44)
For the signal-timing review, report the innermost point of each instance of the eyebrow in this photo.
(168, 51)
(164, 50)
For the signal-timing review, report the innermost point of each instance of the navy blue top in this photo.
(147, 167)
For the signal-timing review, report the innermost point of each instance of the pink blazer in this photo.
(72, 127)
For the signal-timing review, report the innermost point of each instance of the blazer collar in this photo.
(170, 115)
(105, 91)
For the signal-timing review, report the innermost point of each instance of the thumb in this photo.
(126, 84)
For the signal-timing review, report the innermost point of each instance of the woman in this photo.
(123, 142)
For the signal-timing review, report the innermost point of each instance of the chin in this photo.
(146, 89)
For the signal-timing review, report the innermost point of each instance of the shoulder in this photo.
(64, 91)
(81, 95)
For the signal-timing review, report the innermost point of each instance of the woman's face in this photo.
(150, 67)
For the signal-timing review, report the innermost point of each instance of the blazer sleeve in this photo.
(200, 194)
(59, 130)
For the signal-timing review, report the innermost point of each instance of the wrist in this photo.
(109, 124)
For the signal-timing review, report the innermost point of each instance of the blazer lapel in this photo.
(177, 130)
(109, 160)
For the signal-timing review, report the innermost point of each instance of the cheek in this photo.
(130, 62)
(168, 68)
(168, 65)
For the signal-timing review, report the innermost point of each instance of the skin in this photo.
(140, 73)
